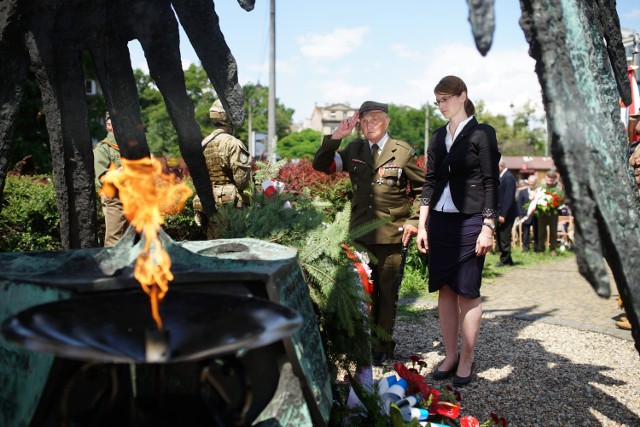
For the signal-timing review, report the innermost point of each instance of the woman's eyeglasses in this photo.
(443, 100)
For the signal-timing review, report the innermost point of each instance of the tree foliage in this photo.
(256, 105)
(300, 145)
(525, 134)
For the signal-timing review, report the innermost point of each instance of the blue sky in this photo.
(351, 51)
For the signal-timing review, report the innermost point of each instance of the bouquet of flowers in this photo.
(544, 202)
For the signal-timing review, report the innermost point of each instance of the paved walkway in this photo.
(553, 292)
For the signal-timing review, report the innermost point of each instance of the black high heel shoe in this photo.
(443, 375)
(460, 381)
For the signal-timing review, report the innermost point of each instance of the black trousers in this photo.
(526, 234)
(503, 239)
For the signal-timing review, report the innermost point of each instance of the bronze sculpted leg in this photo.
(588, 141)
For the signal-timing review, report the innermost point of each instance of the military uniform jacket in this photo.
(105, 153)
(228, 160)
(470, 167)
(381, 190)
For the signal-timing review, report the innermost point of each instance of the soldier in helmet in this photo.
(229, 166)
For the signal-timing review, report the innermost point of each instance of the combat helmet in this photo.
(217, 113)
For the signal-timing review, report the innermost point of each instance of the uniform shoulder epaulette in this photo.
(110, 144)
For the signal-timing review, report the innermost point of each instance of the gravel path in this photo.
(567, 365)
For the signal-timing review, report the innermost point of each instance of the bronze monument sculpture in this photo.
(50, 37)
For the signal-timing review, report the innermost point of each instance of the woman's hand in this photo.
(485, 241)
(421, 240)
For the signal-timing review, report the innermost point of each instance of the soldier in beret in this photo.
(229, 166)
(385, 177)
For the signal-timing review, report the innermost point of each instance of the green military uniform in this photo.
(105, 153)
(380, 190)
(229, 166)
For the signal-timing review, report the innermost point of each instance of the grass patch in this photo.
(415, 282)
(521, 260)
(412, 313)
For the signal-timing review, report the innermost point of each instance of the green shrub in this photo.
(29, 219)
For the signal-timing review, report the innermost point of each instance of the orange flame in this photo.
(147, 195)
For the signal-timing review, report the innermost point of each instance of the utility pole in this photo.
(252, 143)
(271, 117)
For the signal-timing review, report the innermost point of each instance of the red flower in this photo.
(416, 381)
(414, 358)
(447, 409)
(469, 421)
(499, 421)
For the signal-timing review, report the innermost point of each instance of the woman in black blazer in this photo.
(458, 210)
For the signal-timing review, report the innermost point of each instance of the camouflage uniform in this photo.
(105, 153)
(229, 166)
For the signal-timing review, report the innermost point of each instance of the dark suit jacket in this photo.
(470, 168)
(380, 190)
(507, 206)
(522, 201)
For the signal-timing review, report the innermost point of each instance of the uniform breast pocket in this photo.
(357, 168)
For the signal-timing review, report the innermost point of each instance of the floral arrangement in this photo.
(545, 202)
(442, 406)
(405, 399)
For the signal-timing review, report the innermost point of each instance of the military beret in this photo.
(369, 106)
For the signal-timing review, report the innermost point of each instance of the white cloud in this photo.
(339, 90)
(186, 63)
(403, 51)
(633, 14)
(501, 79)
(336, 44)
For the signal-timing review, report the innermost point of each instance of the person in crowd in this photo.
(385, 178)
(105, 154)
(529, 222)
(634, 161)
(229, 166)
(459, 207)
(507, 213)
(550, 217)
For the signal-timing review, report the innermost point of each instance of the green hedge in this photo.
(29, 219)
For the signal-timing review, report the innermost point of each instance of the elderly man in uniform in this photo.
(229, 166)
(105, 154)
(385, 177)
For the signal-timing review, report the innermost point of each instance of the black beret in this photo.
(369, 106)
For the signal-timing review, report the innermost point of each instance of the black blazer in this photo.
(470, 168)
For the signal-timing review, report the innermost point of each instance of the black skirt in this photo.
(452, 252)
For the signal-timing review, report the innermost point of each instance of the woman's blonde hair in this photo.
(453, 85)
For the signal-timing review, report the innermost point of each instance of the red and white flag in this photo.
(625, 111)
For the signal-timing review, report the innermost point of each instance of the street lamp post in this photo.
(252, 140)
(271, 116)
